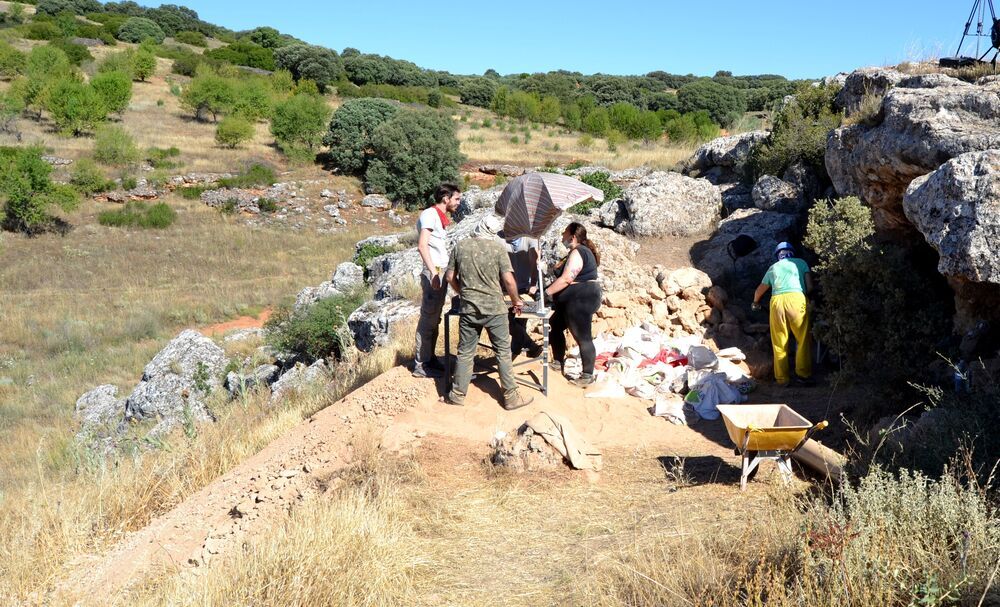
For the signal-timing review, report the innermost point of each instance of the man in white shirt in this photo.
(432, 244)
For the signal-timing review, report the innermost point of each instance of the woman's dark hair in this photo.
(578, 231)
(443, 191)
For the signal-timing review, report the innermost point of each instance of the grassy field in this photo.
(485, 138)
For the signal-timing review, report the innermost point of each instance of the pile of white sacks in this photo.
(682, 378)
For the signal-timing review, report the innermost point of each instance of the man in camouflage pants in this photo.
(476, 270)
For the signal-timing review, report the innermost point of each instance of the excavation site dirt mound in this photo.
(405, 414)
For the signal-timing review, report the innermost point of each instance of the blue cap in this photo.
(783, 246)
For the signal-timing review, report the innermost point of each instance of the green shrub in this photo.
(253, 100)
(585, 141)
(413, 152)
(29, 193)
(192, 38)
(75, 107)
(725, 104)
(163, 158)
(306, 62)
(115, 90)
(434, 98)
(77, 53)
(799, 133)
(88, 179)
(76, 7)
(368, 252)
(257, 175)
(139, 29)
(478, 91)
(191, 192)
(209, 92)
(298, 123)
(11, 106)
(881, 310)
(597, 122)
(12, 62)
(143, 64)
(318, 331)
(350, 134)
(266, 205)
(233, 131)
(114, 146)
(229, 206)
(614, 139)
(128, 182)
(42, 30)
(122, 61)
(139, 215)
(692, 127)
(244, 52)
(600, 181)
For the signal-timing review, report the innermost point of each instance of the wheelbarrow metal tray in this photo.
(775, 427)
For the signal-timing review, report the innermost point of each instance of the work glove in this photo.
(755, 307)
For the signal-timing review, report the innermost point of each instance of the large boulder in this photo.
(865, 82)
(476, 198)
(618, 270)
(767, 228)
(100, 408)
(773, 194)
(177, 381)
(957, 209)
(298, 378)
(730, 152)
(372, 323)
(668, 204)
(924, 123)
(239, 384)
(347, 277)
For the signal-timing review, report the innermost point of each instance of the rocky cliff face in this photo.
(924, 121)
(927, 163)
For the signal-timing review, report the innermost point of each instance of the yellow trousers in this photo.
(790, 316)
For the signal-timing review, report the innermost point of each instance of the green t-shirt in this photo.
(479, 264)
(787, 276)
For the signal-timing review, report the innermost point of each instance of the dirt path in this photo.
(305, 462)
(243, 322)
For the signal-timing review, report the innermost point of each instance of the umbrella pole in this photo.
(541, 285)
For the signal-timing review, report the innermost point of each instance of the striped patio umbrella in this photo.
(530, 203)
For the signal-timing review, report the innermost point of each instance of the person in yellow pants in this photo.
(789, 280)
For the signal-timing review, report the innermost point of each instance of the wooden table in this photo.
(543, 317)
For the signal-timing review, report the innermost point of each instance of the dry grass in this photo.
(47, 523)
(553, 145)
(451, 532)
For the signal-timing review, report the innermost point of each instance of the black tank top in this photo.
(589, 270)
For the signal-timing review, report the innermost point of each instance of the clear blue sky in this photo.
(804, 38)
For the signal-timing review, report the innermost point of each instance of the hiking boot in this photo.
(584, 380)
(804, 381)
(534, 351)
(555, 365)
(424, 371)
(453, 399)
(517, 402)
(435, 364)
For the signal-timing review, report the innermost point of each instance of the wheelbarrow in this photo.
(763, 432)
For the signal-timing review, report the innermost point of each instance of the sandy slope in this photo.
(304, 463)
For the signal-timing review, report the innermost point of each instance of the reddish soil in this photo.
(243, 322)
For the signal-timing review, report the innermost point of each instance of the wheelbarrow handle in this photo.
(817, 426)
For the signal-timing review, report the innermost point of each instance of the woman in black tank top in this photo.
(576, 297)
